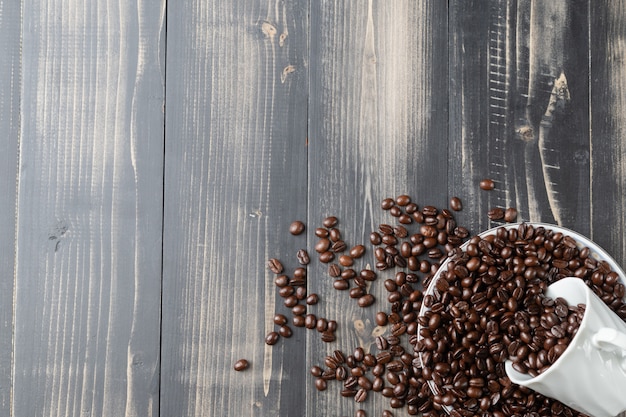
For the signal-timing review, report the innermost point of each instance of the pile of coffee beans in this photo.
(488, 305)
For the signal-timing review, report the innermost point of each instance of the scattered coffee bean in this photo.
(496, 213)
(312, 299)
(275, 266)
(510, 215)
(487, 184)
(322, 245)
(285, 331)
(334, 270)
(360, 413)
(272, 338)
(403, 200)
(357, 251)
(455, 204)
(241, 365)
(303, 257)
(320, 384)
(296, 227)
(366, 300)
(346, 260)
(280, 319)
(330, 221)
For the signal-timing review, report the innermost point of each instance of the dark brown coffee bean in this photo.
(346, 260)
(285, 331)
(496, 213)
(455, 204)
(357, 251)
(487, 184)
(275, 266)
(327, 257)
(387, 203)
(360, 413)
(366, 300)
(296, 227)
(299, 310)
(310, 321)
(322, 245)
(339, 246)
(281, 281)
(241, 365)
(330, 221)
(403, 200)
(316, 371)
(298, 321)
(368, 275)
(320, 384)
(303, 257)
(272, 338)
(387, 413)
(334, 270)
(510, 215)
(321, 232)
(395, 211)
(381, 318)
(361, 395)
(328, 337)
(341, 284)
(280, 319)
(312, 299)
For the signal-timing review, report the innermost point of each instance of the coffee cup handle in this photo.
(610, 340)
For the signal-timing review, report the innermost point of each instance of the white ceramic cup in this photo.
(590, 376)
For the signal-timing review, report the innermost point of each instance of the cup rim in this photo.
(581, 241)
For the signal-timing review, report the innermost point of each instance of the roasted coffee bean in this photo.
(455, 204)
(368, 275)
(395, 211)
(357, 251)
(487, 184)
(334, 270)
(298, 321)
(321, 232)
(320, 384)
(403, 200)
(375, 238)
(360, 413)
(387, 413)
(322, 245)
(285, 331)
(281, 281)
(510, 215)
(280, 319)
(381, 318)
(387, 203)
(366, 300)
(341, 284)
(339, 246)
(241, 365)
(496, 213)
(330, 221)
(346, 260)
(312, 299)
(316, 371)
(327, 257)
(328, 337)
(299, 310)
(272, 338)
(361, 395)
(275, 266)
(296, 227)
(310, 321)
(303, 257)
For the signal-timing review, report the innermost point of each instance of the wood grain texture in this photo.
(608, 126)
(378, 112)
(236, 177)
(87, 297)
(10, 34)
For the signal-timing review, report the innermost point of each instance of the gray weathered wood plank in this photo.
(88, 281)
(236, 176)
(378, 112)
(608, 126)
(10, 33)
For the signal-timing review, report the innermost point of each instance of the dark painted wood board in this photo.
(157, 170)
(235, 177)
(89, 214)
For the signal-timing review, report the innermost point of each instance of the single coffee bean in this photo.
(487, 184)
(241, 365)
(322, 245)
(281, 281)
(375, 238)
(334, 235)
(334, 270)
(299, 310)
(387, 203)
(341, 284)
(357, 251)
(360, 413)
(312, 299)
(316, 371)
(366, 300)
(298, 321)
(339, 246)
(272, 338)
(321, 325)
(327, 257)
(330, 221)
(285, 331)
(456, 204)
(496, 213)
(381, 318)
(320, 384)
(346, 260)
(361, 395)
(387, 413)
(275, 266)
(296, 227)
(332, 326)
(321, 232)
(328, 337)
(280, 319)
(310, 321)
(303, 257)
(510, 215)
(403, 200)
(368, 275)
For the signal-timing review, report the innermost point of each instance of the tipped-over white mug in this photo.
(590, 376)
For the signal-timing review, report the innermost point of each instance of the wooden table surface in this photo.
(155, 153)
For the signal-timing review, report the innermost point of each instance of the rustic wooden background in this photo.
(154, 154)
